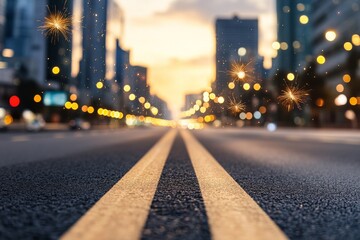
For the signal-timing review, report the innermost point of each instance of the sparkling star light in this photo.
(242, 71)
(57, 23)
(293, 96)
(236, 107)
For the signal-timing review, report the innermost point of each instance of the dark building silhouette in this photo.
(231, 35)
(294, 36)
(59, 51)
(341, 69)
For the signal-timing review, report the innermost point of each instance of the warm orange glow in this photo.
(262, 109)
(8, 120)
(257, 87)
(320, 102)
(236, 106)
(346, 78)
(242, 71)
(37, 98)
(142, 100)
(73, 97)
(293, 96)
(340, 88)
(355, 40)
(56, 24)
(231, 85)
(90, 110)
(348, 46)
(353, 101)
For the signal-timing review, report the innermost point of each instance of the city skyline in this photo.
(183, 61)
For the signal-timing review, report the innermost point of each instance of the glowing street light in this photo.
(127, 88)
(321, 59)
(37, 98)
(290, 76)
(330, 35)
(99, 85)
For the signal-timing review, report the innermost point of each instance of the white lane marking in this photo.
(122, 212)
(20, 139)
(232, 213)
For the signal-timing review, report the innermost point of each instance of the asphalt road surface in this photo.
(154, 183)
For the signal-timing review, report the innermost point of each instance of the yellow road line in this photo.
(231, 212)
(122, 212)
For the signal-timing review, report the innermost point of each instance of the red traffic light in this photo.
(14, 101)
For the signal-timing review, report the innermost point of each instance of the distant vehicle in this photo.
(79, 124)
(5, 119)
(36, 125)
(33, 122)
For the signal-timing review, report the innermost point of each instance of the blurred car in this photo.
(33, 122)
(36, 125)
(79, 124)
(5, 119)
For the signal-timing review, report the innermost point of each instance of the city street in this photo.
(157, 183)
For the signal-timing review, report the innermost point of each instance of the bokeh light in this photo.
(55, 70)
(37, 98)
(330, 35)
(321, 59)
(14, 101)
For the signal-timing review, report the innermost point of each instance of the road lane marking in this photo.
(20, 139)
(122, 212)
(231, 212)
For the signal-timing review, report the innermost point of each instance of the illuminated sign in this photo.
(55, 98)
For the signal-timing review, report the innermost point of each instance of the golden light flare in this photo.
(236, 106)
(57, 24)
(242, 71)
(293, 96)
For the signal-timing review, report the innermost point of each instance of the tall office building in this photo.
(293, 36)
(23, 38)
(231, 36)
(2, 22)
(139, 87)
(122, 68)
(336, 37)
(59, 51)
(103, 27)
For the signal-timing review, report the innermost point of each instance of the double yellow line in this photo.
(122, 212)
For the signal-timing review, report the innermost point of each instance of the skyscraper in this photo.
(23, 38)
(337, 48)
(58, 51)
(139, 86)
(2, 23)
(231, 36)
(294, 42)
(103, 27)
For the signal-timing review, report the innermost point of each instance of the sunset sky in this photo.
(175, 39)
